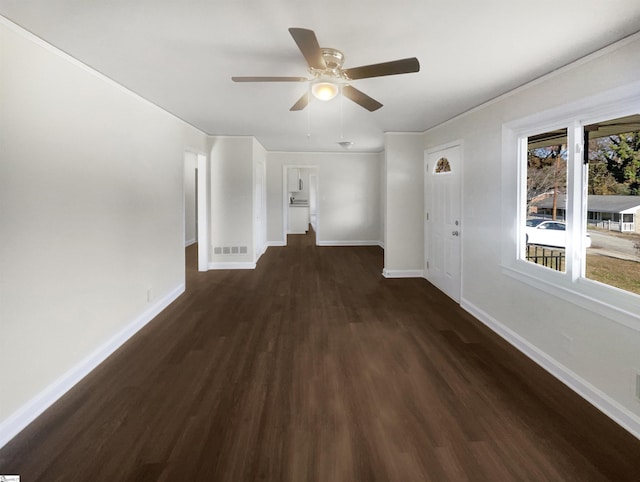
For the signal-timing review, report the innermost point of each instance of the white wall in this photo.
(404, 196)
(259, 224)
(605, 353)
(190, 165)
(232, 171)
(91, 219)
(348, 190)
(383, 199)
(233, 164)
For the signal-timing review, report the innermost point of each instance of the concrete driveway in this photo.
(614, 245)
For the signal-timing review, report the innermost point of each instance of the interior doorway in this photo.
(202, 209)
(300, 188)
(190, 198)
(260, 210)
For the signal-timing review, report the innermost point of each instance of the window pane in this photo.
(613, 202)
(443, 165)
(545, 235)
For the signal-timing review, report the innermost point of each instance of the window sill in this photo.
(612, 303)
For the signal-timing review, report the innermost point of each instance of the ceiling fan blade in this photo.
(360, 98)
(308, 45)
(394, 67)
(302, 102)
(269, 79)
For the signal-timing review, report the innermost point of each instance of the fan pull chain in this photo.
(341, 114)
(309, 112)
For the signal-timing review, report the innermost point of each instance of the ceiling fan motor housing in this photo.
(333, 59)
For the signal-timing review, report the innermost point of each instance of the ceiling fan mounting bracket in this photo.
(333, 59)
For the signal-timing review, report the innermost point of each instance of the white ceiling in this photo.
(181, 54)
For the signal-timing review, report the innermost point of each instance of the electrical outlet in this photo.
(636, 374)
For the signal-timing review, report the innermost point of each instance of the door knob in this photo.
(455, 233)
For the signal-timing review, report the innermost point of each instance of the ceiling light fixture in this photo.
(324, 90)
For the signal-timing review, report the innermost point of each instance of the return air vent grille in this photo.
(224, 250)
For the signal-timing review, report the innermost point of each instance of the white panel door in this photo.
(442, 219)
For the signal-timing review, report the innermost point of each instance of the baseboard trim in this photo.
(190, 242)
(233, 265)
(261, 252)
(332, 243)
(347, 243)
(603, 402)
(403, 273)
(26, 414)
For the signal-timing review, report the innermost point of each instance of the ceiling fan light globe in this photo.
(324, 90)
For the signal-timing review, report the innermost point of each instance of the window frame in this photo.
(571, 285)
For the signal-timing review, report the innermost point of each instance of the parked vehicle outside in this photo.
(546, 232)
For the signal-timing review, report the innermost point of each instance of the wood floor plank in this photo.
(313, 367)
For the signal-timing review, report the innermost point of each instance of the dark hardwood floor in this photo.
(313, 367)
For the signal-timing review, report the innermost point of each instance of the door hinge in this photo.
(427, 216)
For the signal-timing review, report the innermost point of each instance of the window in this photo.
(546, 199)
(594, 178)
(443, 165)
(580, 202)
(612, 150)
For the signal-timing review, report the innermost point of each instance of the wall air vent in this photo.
(230, 250)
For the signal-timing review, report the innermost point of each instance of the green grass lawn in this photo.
(620, 273)
(616, 272)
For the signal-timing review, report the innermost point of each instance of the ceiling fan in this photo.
(329, 78)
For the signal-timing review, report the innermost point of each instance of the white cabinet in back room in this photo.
(294, 181)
